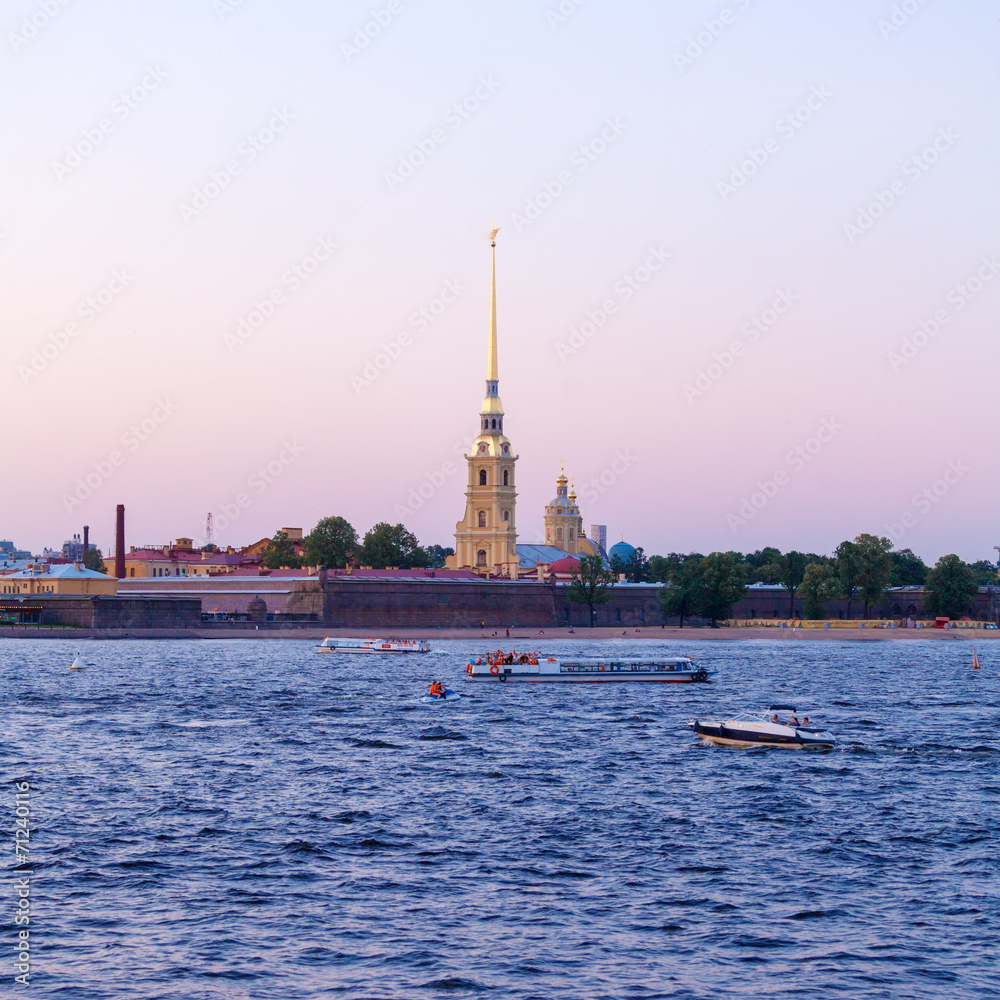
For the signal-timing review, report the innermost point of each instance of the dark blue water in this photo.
(252, 820)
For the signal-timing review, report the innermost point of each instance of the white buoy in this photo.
(77, 663)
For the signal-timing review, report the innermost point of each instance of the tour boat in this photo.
(752, 729)
(332, 644)
(534, 669)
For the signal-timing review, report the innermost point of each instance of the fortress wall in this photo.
(385, 603)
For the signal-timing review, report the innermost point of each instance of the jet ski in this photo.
(430, 699)
(779, 726)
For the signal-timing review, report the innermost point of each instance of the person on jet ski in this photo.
(437, 689)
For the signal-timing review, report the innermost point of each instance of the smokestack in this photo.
(86, 539)
(120, 541)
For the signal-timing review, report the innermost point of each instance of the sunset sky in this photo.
(218, 215)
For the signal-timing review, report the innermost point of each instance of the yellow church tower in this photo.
(563, 521)
(486, 538)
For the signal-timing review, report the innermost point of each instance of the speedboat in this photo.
(773, 728)
(449, 695)
(535, 669)
(332, 644)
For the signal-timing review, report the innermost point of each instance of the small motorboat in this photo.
(449, 695)
(77, 663)
(773, 728)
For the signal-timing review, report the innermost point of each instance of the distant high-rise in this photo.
(599, 536)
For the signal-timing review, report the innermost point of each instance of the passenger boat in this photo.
(769, 729)
(332, 644)
(534, 669)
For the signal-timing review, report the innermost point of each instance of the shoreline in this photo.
(518, 635)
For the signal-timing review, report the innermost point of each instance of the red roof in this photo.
(568, 564)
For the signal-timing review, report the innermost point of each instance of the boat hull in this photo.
(793, 739)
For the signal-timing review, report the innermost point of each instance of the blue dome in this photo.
(623, 551)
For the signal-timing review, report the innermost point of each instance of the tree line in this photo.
(861, 571)
(334, 543)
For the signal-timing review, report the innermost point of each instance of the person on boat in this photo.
(805, 721)
(437, 689)
(774, 718)
(793, 721)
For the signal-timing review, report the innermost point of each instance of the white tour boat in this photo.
(768, 729)
(536, 669)
(332, 644)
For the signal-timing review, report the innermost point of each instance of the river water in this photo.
(247, 819)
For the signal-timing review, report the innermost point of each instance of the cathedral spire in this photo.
(492, 368)
(492, 411)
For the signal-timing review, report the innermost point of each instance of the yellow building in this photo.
(67, 578)
(486, 538)
(564, 523)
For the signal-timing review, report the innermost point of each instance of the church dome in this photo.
(623, 551)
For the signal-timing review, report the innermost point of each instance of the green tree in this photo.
(280, 552)
(787, 570)
(908, 570)
(436, 555)
(681, 594)
(657, 568)
(819, 586)
(391, 545)
(332, 543)
(950, 589)
(761, 558)
(848, 571)
(591, 584)
(985, 572)
(92, 560)
(874, 568)
(724, 582)
(637, 567)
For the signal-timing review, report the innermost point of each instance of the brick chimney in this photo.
(120, 541)
(86, 539)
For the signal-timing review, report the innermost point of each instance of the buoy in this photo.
(975, 661)
(77, 663)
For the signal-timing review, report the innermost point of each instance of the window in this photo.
(505, 478)
(558, 534)
(131, 572)
(570, 534)
(482, 519)
(618, 614)
(481, 557)
(506, 515)
(494, 423)
(482, 477)
(506, 449)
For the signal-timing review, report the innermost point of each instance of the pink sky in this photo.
(735, 153)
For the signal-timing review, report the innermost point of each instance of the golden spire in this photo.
(492, 368)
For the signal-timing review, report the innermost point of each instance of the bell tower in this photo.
(486, 538)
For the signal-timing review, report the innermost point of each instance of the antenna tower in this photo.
(209, 532)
